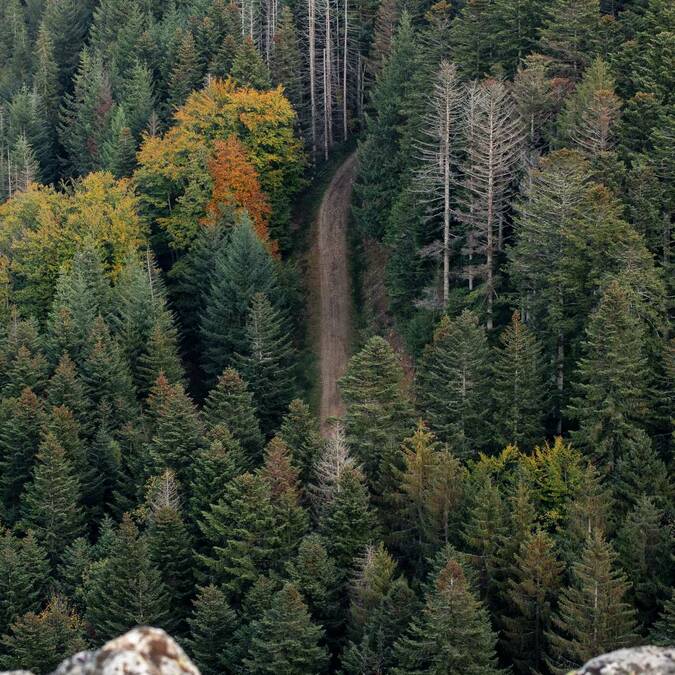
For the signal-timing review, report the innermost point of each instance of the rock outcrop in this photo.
(636, 661)
(141, 651)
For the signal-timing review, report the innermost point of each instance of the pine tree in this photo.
(452, 384)
(39, 641)
(241, 534)
(187, 72)
(645, 551)
(125, 589)
(519, 387)
(211, 627)
(267, 361)
(379, 413)
(175, 428)
(24, 577)
(248, 68)
(284, 639)
(242, 267)
(347, 523)
(300, 432)
(51, 503)
(452, 633)
(531, 593)
(612, 380)
(570, 33)
(85, 115)
(593, 616)
(230, 404)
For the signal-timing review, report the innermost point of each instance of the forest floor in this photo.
(331, 261)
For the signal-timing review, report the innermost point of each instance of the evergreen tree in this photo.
(161, 357)
(451, 634)
(452, 384)
(230, 404)
(24, 577)
(242, 267)
(284, 639)
(39, 641)
(248, 68)
(532, 591)
(65, 389)
(613, 379)
(267, 362)
(211, 627)
(187, 72)
(519, 387)
(663, 632)
(138, 100)
(379, 414)
(286, 63)
(645, 551)
(118, 148)
(593, 617)
(51, 503)
(125, 589)
(300, 432)
(75, 562)
(85, 115)
(175, 428)
(470, 34)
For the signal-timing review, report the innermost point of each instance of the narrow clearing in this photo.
(335, 297)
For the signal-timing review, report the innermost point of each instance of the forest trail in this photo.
(335, 297)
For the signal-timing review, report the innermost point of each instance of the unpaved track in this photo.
(335, 298)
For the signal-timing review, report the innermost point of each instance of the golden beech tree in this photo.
(174, 174)
(236, 183)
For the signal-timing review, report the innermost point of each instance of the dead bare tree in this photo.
(438, 154)
(494, 133)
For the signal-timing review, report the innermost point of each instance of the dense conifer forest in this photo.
(498, 494)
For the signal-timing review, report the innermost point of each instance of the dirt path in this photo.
(335, 298)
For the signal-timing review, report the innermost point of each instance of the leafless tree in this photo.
(334, 460)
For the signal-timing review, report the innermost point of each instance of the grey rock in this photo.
(141, 651)
(636, 661)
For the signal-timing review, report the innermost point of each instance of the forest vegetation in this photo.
(498, 496)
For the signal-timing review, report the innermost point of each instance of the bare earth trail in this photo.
(335, 298)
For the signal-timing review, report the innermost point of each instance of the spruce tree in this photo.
(531, 593)
(248, 68)
(40, 641)
(286, 63)
(300, 432)
(65, 389)
(138, 99)
(472, 45)
(663, 632)
(284, 639)
(125, 589)
(230, 404)
(593, 615)
(379, 414)
(75, 561)
(519, 387)
(267, 362)
(187, 72)
(241, 268)
(118, 148)
(452, 633)
(51, 504)
(212, 625)
(452, 384)
(161, 357)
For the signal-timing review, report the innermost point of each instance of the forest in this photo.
(496, 495)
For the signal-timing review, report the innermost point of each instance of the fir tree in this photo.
(65, 389)
(187, 72)
(51, 503)
(161, 357)
(519, 387)
(531, 593)
(125, 589)
(267, 362)
(452, 384)
(230, 404)
(379, 413)
(118, 148)
(300, 432)
(211, 627)
(75, 561)
(451, 634)
(593, 616)
(472, 48)
(248, 68)
(24, 577)
(286, 63)
(663, 632)
(284, 639)
(242, 267)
